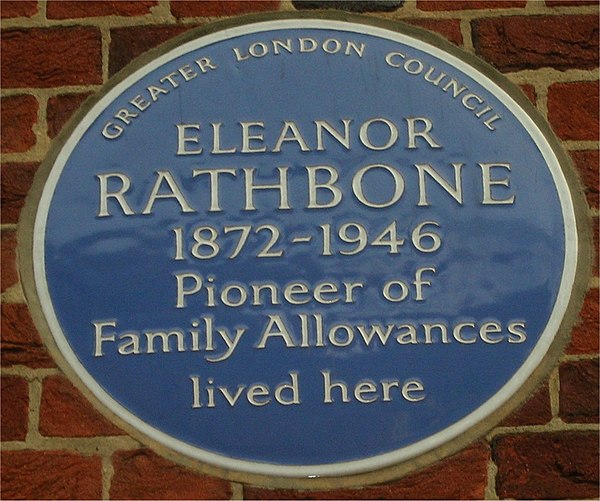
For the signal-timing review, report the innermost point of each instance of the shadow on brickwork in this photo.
(350, 6)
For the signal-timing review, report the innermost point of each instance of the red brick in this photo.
(547, 465)
(18, 116)
(529, 91)
(573, 110)
(587, 164)
(15, 408)
(184, 8)
(141, 474)
(50, 475)
(60, 109)
(64, 412)
(596, 240)
(49, 57)
(448, 28)
(8, 271)
(73, 9)
(21, 343)
(536, 410)
(15, 182)
(518, 42)
(584, 337)
(579, 391)
(18, 8)
(356, 6)
(128, 43)
(469, 4)
(462, 476)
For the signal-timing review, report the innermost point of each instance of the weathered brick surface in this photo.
(72, 9)
(448, 28)
(579, 391)
(15, 181)
(64, 412)
(21, 343)
(60, 109)
(573, 110)
(469, 4)
(15, 408)
(529, 91)
(462, 476)
(584, 337)
(596, 240)
(141, 474)
(184, 8)
(50, 475)
(8, 271)
(587, 162)
(350, 6)
(18, 116)
(18, 8)
(536, 410)
(128, 43)
(525, 42)
(49, 57)
(547, 465)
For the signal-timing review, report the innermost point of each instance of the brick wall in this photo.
(55, 445)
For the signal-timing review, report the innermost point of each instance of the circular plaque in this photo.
(305, 246)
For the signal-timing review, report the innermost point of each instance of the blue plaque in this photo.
(305, 246)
